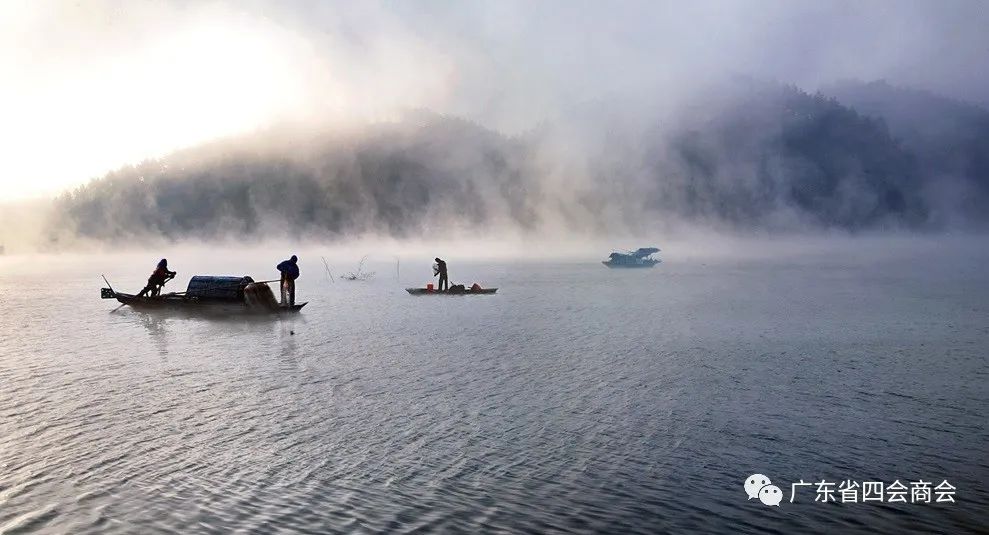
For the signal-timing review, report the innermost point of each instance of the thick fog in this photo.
(317, 120)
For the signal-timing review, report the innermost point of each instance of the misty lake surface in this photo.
(577, 399)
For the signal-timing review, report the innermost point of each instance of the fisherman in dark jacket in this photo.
(158, 278)
(290, 271)
(444, 283)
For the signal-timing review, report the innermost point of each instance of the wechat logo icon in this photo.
(759, 486)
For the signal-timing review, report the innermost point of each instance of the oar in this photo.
(107, 283)
(114, 292)
(327, 266)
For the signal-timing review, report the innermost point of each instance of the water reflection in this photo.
(162, 326)
(157, 330)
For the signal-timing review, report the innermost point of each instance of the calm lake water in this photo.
(577, 399)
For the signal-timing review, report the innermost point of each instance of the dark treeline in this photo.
(949, 140)
(769, 157)
(400, 179)
(776, 156)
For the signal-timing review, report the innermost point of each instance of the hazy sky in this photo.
(90, 86)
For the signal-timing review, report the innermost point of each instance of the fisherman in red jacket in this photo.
(158, 278)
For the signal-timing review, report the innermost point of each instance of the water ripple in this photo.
(636, 408)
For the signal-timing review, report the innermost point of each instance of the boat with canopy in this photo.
(224, 295)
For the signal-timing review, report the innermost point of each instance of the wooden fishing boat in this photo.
(209, 295)
(468, 291)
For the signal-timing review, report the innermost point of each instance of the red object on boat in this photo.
(429, 286)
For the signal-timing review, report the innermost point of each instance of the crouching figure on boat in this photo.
(158, 278)
(210, 294)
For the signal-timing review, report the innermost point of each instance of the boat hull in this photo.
(630, 266)
(200, 306)
(426, 291)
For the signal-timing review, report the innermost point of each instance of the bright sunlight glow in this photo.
(75, 114)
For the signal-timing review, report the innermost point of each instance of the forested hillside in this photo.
(950, 140)
(769, 157)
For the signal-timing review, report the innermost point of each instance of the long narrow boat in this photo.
(468, 291)
(210, 295)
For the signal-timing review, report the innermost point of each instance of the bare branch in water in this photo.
(360, 274)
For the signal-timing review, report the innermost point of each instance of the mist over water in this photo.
(816, 175)
(296, 119)
(746, 156)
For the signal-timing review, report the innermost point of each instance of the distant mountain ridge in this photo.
(949, 138)
(768, 157)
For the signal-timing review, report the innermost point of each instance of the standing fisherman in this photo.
(290, 271)
(444, 283)
(158, 278)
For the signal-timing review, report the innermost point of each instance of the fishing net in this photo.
(258, 295)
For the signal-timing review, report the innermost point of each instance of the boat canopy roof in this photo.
(227, 287)
(643, 252)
